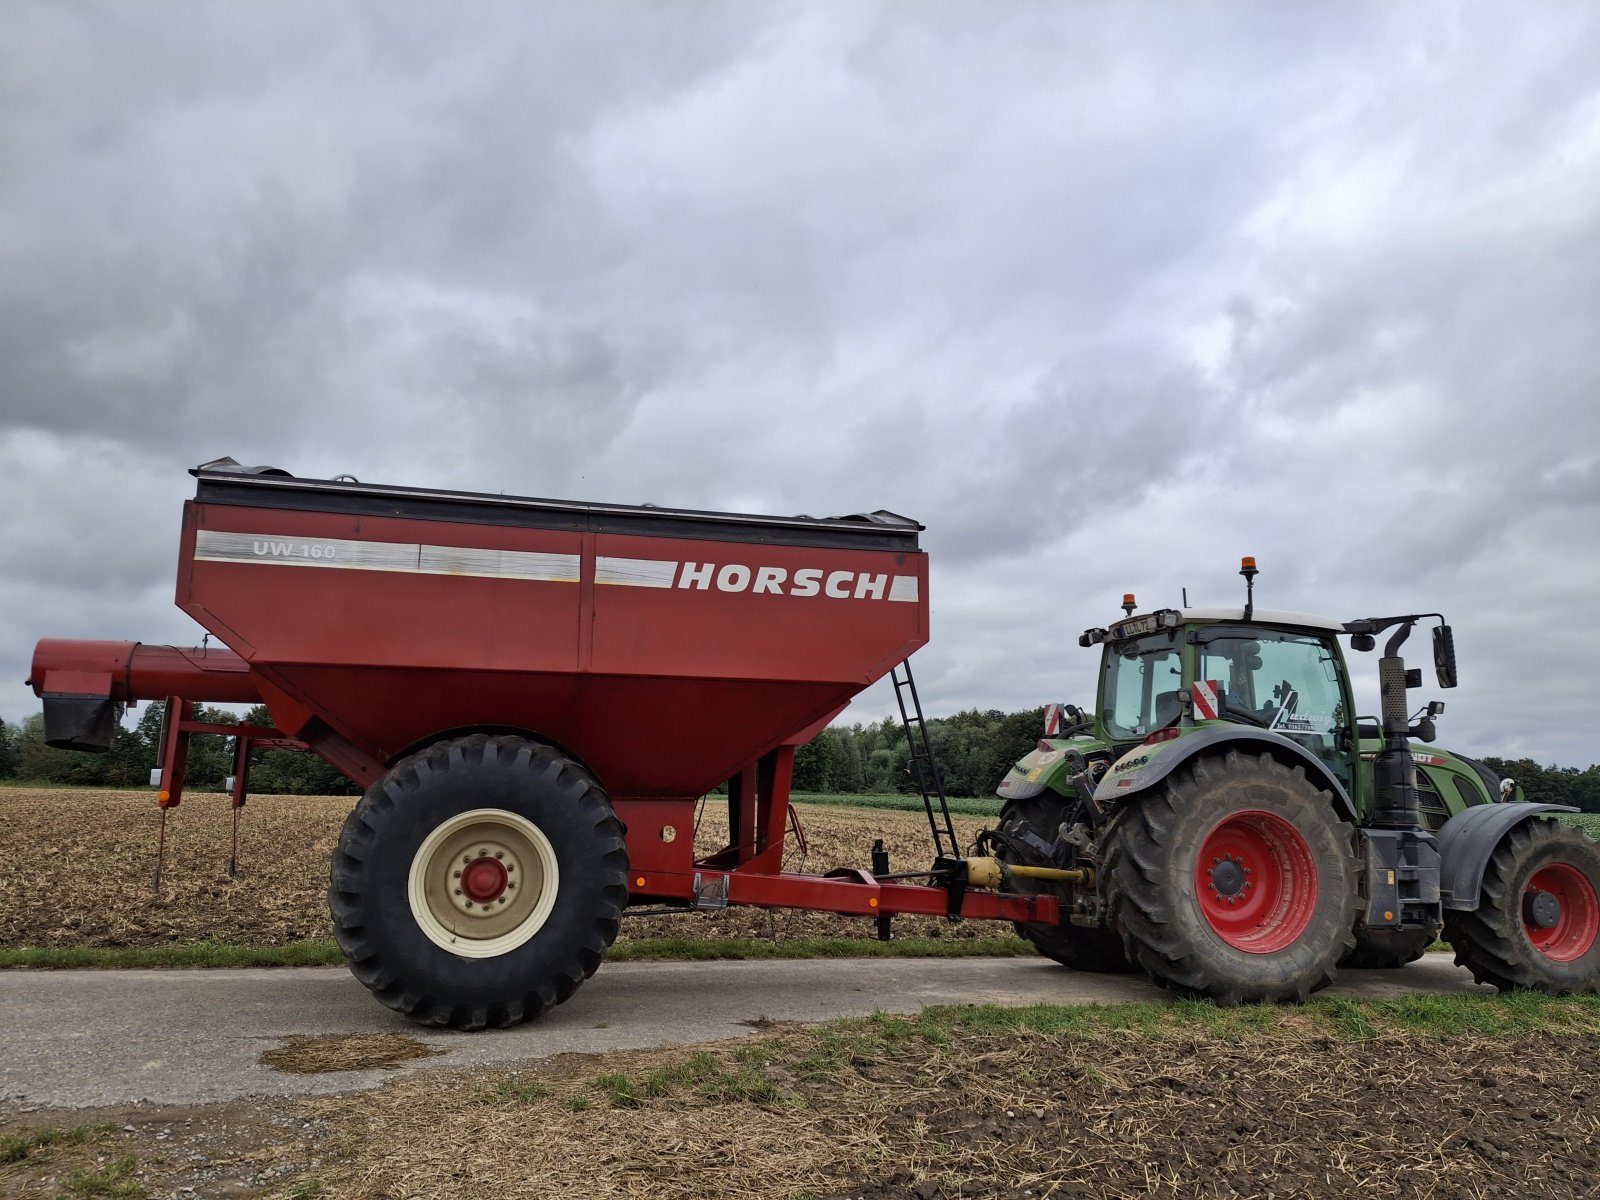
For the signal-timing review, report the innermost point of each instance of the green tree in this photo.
(8, 751)
(849, 772)
(814, 763)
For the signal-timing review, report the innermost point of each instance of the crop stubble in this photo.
(76, 870)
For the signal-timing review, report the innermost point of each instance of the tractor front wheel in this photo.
(1075, 946)
(1537, 924)
(1383, 948)
(479, 882)
(1235, 880)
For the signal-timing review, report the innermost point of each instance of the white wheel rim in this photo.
(483, 883)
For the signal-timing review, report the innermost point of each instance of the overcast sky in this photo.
(1104, 295)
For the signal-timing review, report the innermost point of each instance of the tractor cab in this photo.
(1179, 682)
(1167, 673)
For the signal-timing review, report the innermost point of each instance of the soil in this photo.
(76, 869)
(958, 1114)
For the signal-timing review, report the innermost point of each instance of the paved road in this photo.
(91, 1038)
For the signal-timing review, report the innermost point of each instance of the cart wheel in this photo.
(1234, 880)
(1537, 924)
(479, 882)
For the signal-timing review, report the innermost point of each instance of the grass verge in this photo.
(662, 949)
(322, 953)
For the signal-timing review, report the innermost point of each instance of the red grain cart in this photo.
(535, 694)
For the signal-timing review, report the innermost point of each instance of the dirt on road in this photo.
(76, 869)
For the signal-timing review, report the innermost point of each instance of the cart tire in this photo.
(1242, 827)
(1383, 948)
(1506, 941)
(479, 882)
(1074, 946)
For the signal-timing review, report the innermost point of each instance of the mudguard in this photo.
(1039, 769)
(1467, 841)
(1147, 765)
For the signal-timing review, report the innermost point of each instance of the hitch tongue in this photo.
(992, 873)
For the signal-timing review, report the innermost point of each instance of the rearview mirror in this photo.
(1444, 656)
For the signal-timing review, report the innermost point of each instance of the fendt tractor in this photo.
(1226, 821)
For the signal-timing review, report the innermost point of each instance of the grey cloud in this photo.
(1105, 299)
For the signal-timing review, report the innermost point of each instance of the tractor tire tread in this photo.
(1489, 941)
(1077, 947)
(1138, 854)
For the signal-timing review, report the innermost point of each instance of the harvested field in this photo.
(76, 869)
(1468, 1098)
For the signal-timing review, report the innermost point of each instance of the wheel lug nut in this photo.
(502, 899)
(466, 858)
(458, 891)
(458, 874)
(499, 853)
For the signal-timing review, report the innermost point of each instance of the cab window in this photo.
(1287, 682)
(1139, 685)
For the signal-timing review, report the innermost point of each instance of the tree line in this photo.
(973, 751)
(136, 749)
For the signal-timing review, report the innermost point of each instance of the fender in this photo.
(1165, 757)
(1038, 770)
(1467, 841)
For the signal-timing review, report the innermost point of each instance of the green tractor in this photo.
(1233, 827)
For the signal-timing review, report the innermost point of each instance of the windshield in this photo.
(1139, 685)
(1288, 682)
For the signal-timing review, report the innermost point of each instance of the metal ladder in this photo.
(922, 766)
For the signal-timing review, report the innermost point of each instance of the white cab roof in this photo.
(1267, 616)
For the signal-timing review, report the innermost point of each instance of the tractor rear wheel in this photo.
(1381, 948)
(1537, 924)
(1075, 946)
(479, 882)
(1234, 879)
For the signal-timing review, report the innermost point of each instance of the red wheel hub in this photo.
(484, 879)
(1256, 881)
(1560, 913)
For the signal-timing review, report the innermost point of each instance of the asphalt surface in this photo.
(81, 1039)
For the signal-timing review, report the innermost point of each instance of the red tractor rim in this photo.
(1577, 923)
(1256, 881)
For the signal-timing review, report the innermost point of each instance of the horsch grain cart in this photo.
(535, 694)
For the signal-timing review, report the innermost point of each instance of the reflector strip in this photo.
(635, 572)
(904, 589)
(1205, 699)
(349, 555)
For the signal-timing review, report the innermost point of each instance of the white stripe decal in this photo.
(348, 555)
(904, 588)
(635, 572)
(498, 564)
